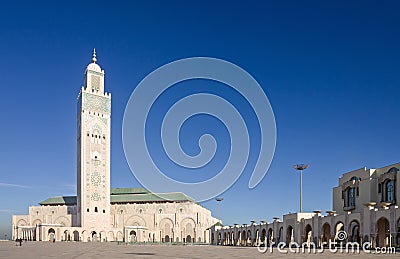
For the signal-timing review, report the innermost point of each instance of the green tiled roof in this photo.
(125, 195)
(128, 191)
(59, 200)
(218, 224)
(149, 197)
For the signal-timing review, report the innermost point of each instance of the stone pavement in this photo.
(113, 250)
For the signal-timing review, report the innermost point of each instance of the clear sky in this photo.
(329, 68)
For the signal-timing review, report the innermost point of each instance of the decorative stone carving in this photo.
(96, 103)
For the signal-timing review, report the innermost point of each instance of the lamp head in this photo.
(300, 166)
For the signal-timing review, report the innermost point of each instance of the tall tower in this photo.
(93, 162)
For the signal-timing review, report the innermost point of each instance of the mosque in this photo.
(98, 212)
(365, 202)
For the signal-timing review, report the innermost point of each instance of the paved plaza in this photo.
(113, 250)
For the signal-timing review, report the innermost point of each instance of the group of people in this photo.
(19, 240)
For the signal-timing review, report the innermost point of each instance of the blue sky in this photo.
(330, 70)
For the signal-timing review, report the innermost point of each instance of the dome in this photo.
(93, 67)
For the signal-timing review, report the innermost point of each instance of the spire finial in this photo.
(94, 59)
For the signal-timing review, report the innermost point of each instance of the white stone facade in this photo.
(99, 213)
(366, 207)
(176, 222)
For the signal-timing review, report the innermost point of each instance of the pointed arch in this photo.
(135, 220)
(383, 232)
(354, 231)
(326, 232)
(63, 221)
(21, 222)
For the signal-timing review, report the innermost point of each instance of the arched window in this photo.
(352, 199)
(390, 191)
(354, 178)
(349, 196)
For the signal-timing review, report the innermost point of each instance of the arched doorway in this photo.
(326, 233)
(76, 235)
(94, 236)
(167, 239)
(270, 237)
(257, 237)
(354, 230)
(280, 234)
(85, 236)
(67, 236)
(338, 228)
(111, 236)
(166, 230)
(263, 236)
(189, 230)
(289, 235)
(132, 236)
(248, 240)
(383, 233)
(243, 238)
(308, 234)
(103, 236)
(51, 235)
(120, 236)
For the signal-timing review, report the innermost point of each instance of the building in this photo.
(363, 186)
(99, 213)
(365, 209)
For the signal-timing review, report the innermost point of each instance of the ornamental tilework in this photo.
(97, 127)
(104, 120)
(95, 197)
(95, 178)
(96, 103)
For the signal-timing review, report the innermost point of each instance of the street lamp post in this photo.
(301, 167)
(219, 199)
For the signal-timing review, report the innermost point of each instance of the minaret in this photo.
(93, 162)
